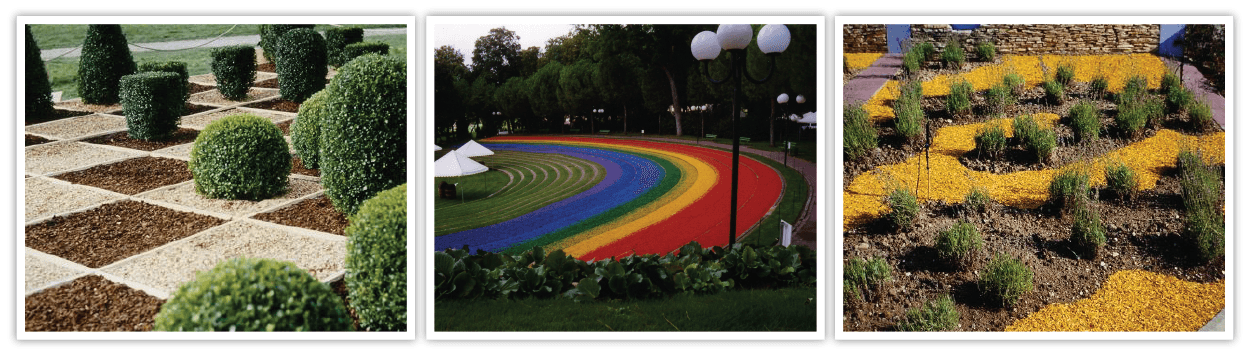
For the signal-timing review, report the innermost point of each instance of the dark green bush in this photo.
(912, 62)
(1054, 92)
(957, 244)
(1203, 200)
(999, 98)
(858, 135)
(253, 294)
(1179, 98)
(1023, 128)
(301, 64)
(926, 51)
(269, 36)
(953, 55)
(38, 88)
(1087, 232)
(1085, 121)
(179, 68)
(105, 59)
(1200, 116)
(1131, 119)
(1099, 85)
(1170, 82)
(1042, 143)
(909, 118)
(1005, 279)
(306, 130)
(1068, 186)
(377, 261)
(359, 49)
(235, 70)
(1121, 180)
(241, 156)
(339, 37)
(991, 140)
(153, 103)
(1065, 74)
(986, 51)
(977, 199)
(959, 101)
(1135, 90)
(936, 315)
(364, 130)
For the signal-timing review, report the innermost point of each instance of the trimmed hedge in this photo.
(377, 261)
(179, 68)
(306, 130)
(339, 37)
(153, 103)
(301, 64)
(105, 59)
(269, 35)
(235, 70)
(363, 131)
(38, 88)
(241, 156)
(359, 49)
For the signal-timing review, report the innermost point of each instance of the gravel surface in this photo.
(81, 126)
(182, 152)
(210, 79)
(185, 195)
(123, 139)
(41, 273)
(63, 156)
(198, 122)
(213, 97)
(78, 105)
(44, 197)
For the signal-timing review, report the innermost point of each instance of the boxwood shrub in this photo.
(339, 37)
(253, 294)
(105, 59)
(377, 261)
(38, 88)
(301, 64)
(153, 102)
(363, 131)
(235, 69)
(359, 49)
(306, 130)
(269, 35)
(241, 156)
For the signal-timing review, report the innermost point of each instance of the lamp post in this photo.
(782, 99)
(706, 46)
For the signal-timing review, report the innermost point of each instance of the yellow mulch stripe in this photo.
(1133, 301)
(857, 61)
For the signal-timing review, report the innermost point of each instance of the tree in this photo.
(544, 92)
(514, 102)
(619, 68)
(569, 48)
(495, 55)
(528, 61)
(667, 48)
(38, 89)
(448, 68)
(794, 74)
(577, 88)
(105, 60)
(480, 102)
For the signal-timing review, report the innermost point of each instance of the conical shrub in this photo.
(105, 59)
(38, 88)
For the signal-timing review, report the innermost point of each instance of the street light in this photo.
(706, 46)
(782, 99)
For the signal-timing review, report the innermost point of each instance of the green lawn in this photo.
(65, 36)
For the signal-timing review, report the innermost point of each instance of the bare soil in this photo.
(285, 126)
(198, 88)
(313, 214)
(297, 166)
(132, 176)
(112, 232)
(91, 303)
(267, 67)
(35, 140)
(1142, 234)
(190, 109)
(123, 139)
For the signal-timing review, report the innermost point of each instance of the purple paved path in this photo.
(1196, 82)
(868, 81)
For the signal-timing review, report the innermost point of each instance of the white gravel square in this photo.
(41, 273)
(45, 197)
(79, 127)
(182, 152)
(213, 97)
(210, 79)
(76, 104)
(199, 121)
(184, 194)
(68, 155)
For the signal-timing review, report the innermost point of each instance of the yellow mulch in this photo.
(857, 61)
(948, 180)
(1133, 301)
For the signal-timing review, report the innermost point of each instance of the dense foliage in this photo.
(38, 88)
(301, 64)
(364, 130)
(241, 156)
(377, 261)
(338, 38)
(105, 59)
(153, 103)
(235, 70)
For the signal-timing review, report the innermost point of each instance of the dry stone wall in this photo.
(1046, 38)
(861, 38)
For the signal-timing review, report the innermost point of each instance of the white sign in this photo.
(786, 231)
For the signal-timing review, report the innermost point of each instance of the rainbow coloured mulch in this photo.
(1133, 301)
(654, 198)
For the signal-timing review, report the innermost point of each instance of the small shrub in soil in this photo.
(1135, 90)
(1200, 116)
(991, 140)
(903, 208)
(999, 98)
(359, 49)
(1170, 82)
(105, 59)
(301, 64)
(339, 37)
(861, 277)
(377, 261)
(1178, 98)
(253, 294)
(986, 51)
(1131, 119)
(1121, 180)
(38, 88)
(1087, 232)
(959, 102)
(912, 62)
(1065, 74)
(153, 102)
(935, 315)
(269, 36)
(926, 51)
(1042, 143)
(241, 156)
(1015, 82)
(1023, 128)
(235, 70)
(1202, 198)
(1099, 85)
(909, 116)
(958, 243)
(953, 55)
(179, 68)
(977, 199)
(1069, 185)
(858, 134)
(1005, 279)
(1085, 121)
(1054, 92)
(363, 131)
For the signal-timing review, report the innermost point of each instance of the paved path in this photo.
(187, 44)
(871, 79)
(1196, 82)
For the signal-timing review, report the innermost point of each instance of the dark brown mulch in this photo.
(271, 83)
(267, 67)
(285, 126)
(57, 114)
(297, 166)
(122, 139)
(313, 214)
(340, 288)
(132, 176)
(276, 104)
(35, 140)
(112, 232)
(190, 109)
(198, 88)
(91, 303)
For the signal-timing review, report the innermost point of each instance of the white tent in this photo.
(808, 118)
(474, 149)
(455, 164)
(436, 148)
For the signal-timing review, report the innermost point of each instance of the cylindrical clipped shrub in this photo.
(105, 59)
(359, 49)
(269, 35)
(363, 131)
(253, 294)
(38, 88)
(179, 68)
(153, 104)
(377, 261)
(301, 64)
(235, 70)
(339, 37)
(241, 156)
(306, 131)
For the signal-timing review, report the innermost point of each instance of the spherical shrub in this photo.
(105, 59)
(363, 131)
(269, 35)
(179, 68)
(306, 131)
(38, 88)
(153, 104)
(235, 70)
(253, 294)
(377, 260)
(241, 156)
(339, 37)
(301, 64)
(1121, 179)
(1006, 279)
(359, 49)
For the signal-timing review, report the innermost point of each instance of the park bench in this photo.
(744, 139)
(604, 131)
(709, 136)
